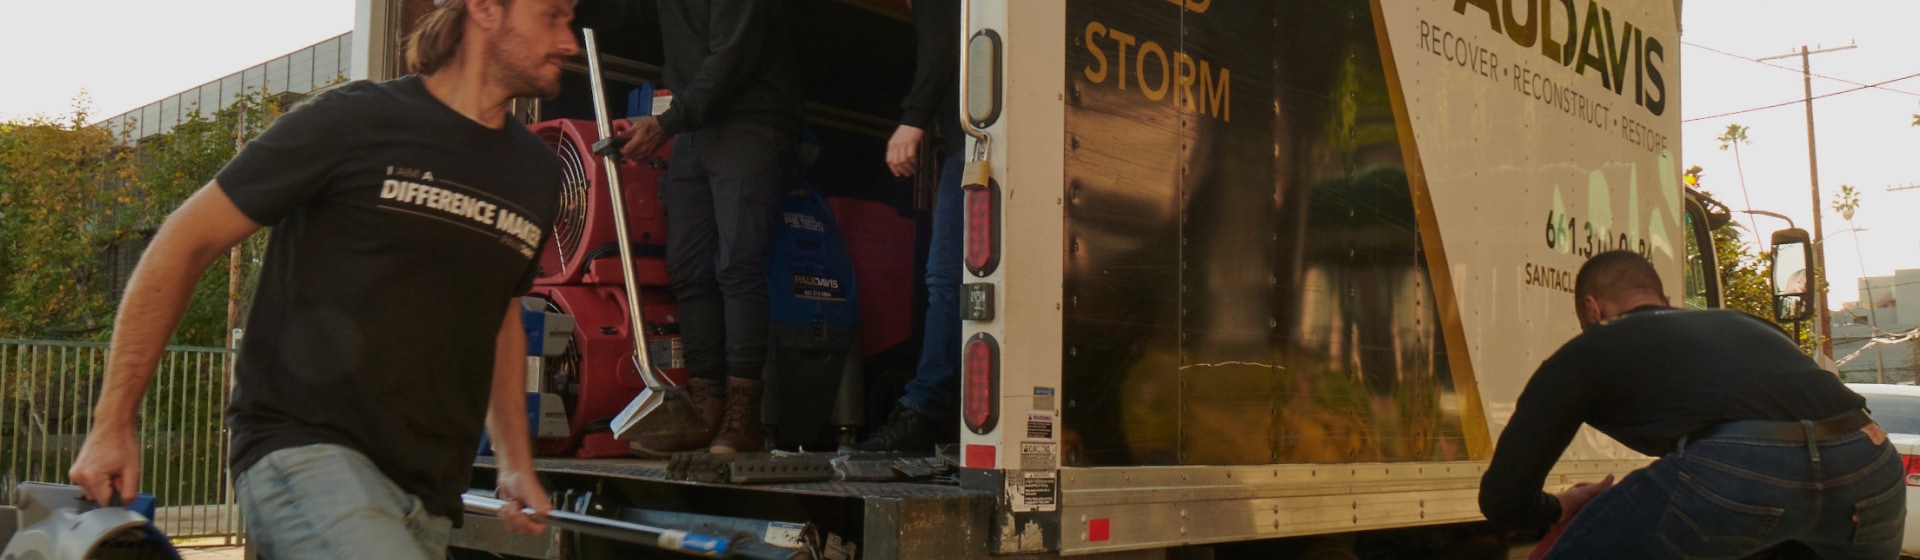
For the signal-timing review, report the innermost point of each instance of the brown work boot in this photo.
(707, 398)
(740, 430)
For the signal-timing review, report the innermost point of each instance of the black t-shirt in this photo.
(402, 232)
(1647, 379)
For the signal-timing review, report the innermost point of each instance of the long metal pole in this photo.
(235, 255)
(1819, 251)
(635, 321)
(648, 535)
(1825, 328)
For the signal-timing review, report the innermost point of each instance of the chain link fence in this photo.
(47, 392)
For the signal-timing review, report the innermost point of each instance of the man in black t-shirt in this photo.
(1758, 446)
(386, 325)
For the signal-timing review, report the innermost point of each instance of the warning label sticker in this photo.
(785, 535)
(1040, 424)
(1034, 491)
(1039, 455)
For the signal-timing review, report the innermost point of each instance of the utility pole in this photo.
(1816, 279)
(236, 255)
(1873, 313)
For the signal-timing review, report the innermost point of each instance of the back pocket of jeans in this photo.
(1881, 518)
(1701, 522)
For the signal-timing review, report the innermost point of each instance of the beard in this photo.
(518, 67)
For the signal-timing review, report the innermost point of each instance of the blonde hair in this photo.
(435, 40)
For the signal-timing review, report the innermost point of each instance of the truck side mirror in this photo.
(1792, 279)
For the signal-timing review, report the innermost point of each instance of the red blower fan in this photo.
(596, 376)
(582, 249)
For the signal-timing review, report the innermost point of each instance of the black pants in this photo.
(723, 191)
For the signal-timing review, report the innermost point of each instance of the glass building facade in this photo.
(299, 72)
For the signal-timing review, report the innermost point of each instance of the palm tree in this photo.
(1845, 202)
(1734, 137)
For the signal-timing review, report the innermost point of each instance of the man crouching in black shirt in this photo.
(386, 325)
(1758, 446)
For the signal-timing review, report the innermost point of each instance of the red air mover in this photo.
(596, 377)
(581, 247)
(880, 241)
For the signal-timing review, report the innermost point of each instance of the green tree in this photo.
(60, 184)
(1744, 272)
(72, 195)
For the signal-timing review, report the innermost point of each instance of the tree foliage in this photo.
(73, 198)
(1744, 279)
(57, 187)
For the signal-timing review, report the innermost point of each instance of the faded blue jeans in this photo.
(327, 501)
(936, 382)
(1731, 497)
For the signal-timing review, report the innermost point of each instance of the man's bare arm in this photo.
(194, 236)
(507, 423)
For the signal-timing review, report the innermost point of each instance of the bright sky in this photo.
(126, 53)
(1865, 138)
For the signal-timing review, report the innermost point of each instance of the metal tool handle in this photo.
(636, 322)
(623, 531)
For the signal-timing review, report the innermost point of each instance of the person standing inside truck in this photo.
(385, 330)
(1758, 446)
(932, 103)
(734, 123)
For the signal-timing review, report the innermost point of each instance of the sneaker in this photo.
(905, 431)
(740, 429)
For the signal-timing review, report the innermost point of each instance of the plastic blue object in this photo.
(486, 439)
(143, 505)
(535, 325)
(809, 273)
(640, 101)
(156, 541)
(703, 545)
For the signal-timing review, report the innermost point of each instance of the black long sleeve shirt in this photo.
(1646, 379)
(729, 61)
(934, 98)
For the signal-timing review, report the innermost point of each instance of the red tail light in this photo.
(981, 379)
(1912, 463)
(983, 229)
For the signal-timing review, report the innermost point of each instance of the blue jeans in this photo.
(935, 383)
(327, 501)
(1730, 497)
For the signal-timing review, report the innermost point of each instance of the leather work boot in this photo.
(906, 431)
(708, 399)
(740, 429)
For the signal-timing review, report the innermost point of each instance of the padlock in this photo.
(976, 175)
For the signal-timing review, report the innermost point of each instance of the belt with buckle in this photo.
(1794, 432)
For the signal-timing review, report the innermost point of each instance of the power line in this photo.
(1771, 65)
(1803, 100)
